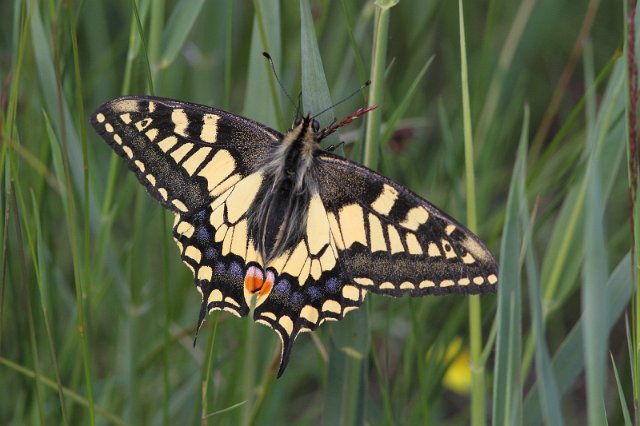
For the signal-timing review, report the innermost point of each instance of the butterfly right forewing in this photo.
(391, 241)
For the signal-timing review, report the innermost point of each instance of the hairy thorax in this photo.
(279, 216)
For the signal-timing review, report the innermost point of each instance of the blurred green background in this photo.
(97, 312)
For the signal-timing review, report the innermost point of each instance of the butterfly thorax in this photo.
(280, 209)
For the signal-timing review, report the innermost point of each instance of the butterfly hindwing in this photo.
(184, 154)
(310, 284)
(215, 244)
(391, 241)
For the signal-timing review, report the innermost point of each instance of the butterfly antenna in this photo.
(298, 113)
(273, 68)
(365, 85)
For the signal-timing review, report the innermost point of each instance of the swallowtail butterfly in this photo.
(272, 216)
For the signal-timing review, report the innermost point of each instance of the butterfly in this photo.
(275, 217)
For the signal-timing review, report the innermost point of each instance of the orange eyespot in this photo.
(254, 281)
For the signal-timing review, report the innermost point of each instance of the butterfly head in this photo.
(306, 122)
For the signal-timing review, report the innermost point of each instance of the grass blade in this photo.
(178, 27)
(594, 295)
(507, 397)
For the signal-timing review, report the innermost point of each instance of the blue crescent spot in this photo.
(200, 215)
(203, 235)
(314, 293)
(220, 269)
(283, 286)
(333, 285)
(296, 299)
(211, 253)
(235, 269)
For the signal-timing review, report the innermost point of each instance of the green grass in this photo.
(97, 312)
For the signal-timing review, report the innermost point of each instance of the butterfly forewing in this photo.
(184, 154)
(391, 241)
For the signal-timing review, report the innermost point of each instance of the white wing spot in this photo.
(180, 121)
(215, 296)
(351, 292)
(193, 253)
(140, 165)
(415, 217)
(448, 250)
(331, 306)
(128, 151)
(151, 134)
(394, 240)
(179, 205)
(352, 225)
(433, 250)
(310, 314)
(426, 284)
(385, 201)
(287, 324)
(167, 143)
(179, 153)
(143, 124)
(363, 281)
(467, 258)
(209, 131)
